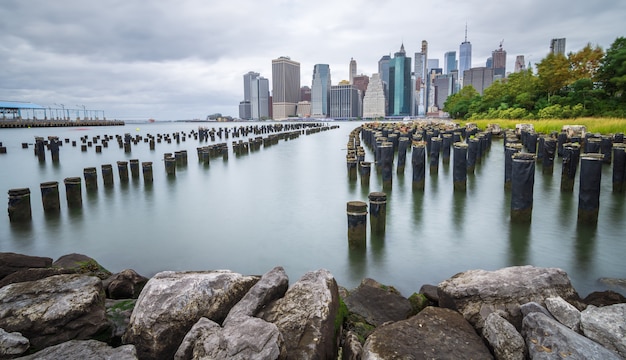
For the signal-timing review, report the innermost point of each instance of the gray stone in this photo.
(84, 349)
(119, 312)
(242, 338)
(12, 344)
(172, 302)
(306, 316)
(12, 262)
(32, 275)
(506, 342)
(564, 312)
(82, 264)
(604, 298)
(434, 333)
(606, 325)
(430, 291)
(477, 293)
(352, 348)
(272, 285)
(126, 284)
(548, 339)
(531, 307)
(55, 309)
(376, 304)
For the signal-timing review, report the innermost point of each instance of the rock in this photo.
(172, 302)
(243, 337)
(352, 348)
(615, 284)
(32, 274)
(272, 285)
(126, 284)
(55, 309)
(477, 293)
(376, 304)
(418, 303)
(118, 312)
(82, 264)
(12, 262)
(548, 339)
(603, 298)
(12, 344)
(564, 312)
(506, 342)
(430, 291)
(434, 333)
(306, 316)
(84, 349)
(606, 325)
(531, 307)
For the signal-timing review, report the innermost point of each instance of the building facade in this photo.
(449, 62)
(361, 82)
(320, 91)
(383, 71)
(400, 89)
(480, 78)
(285, 87)
(245, 110)
(374, 101)
(345, 102)
(499, 62)
(520, 63)
(420, 72)
(465, 56)
(260, 99)
(352, 70)
(557, 46)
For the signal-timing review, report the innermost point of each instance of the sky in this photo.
(185, 59)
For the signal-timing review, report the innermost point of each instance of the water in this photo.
(286, 205)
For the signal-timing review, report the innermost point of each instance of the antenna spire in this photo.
(466, 31)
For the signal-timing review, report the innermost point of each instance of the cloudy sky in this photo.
(185, 59)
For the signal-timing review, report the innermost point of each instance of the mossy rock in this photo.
(418, 302)
(82, 264)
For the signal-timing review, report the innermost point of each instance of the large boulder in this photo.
(606, 325)
(546, 338)
(377, 304)
(477, 293)
(55, 309)
(12, 344)
(172, 302)
(84, 349)
(306, 316)
(126, 284)
(564, 312)
(504, 339)
(604, 298)
(12, 262)
(33, 274)
(434, 333)
(119, 312)
(82, 264)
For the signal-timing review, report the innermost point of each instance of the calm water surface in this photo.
(286, 205)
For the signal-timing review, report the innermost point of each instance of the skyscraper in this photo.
(557, 46)
(520, 63)
(499, 61)
(374, 101)
(465, 56)
(383, 71)
(352, 69)
(400, 89)
(285, 87)
(260, 98)
(449, 62)
(480, 78)
(345, 101)
(361, 82)
(320, 91)
(245, 110)
(421, 74)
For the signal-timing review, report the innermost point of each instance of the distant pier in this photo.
(5, 124)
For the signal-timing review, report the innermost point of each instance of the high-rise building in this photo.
(305, 93)
(449, 62)
(445, 85)
(489, 62)
(345, 102)
(374, 101)
(465, 56)
(320, 91)
(260, 98)
(361, 82)
(420, 72)
(480, 78)
(520, 63)
(245, 110)
(352, 69)
(383, 71)
(285, 87)
(400, 89)
(499, 61)
(432, 75)
(557, 46)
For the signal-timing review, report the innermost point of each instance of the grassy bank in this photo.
(594, 125)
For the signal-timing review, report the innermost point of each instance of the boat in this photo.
(151, 120)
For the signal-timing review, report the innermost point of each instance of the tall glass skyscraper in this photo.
(245, 107)
(465, 56)
(449, 62)
(383, 70)
(320, 91)
(260, 98)
(400, 90)
(421, 75)
(285, 87)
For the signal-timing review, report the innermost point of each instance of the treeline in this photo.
(588, 83)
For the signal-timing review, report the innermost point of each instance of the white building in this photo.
(374, 102)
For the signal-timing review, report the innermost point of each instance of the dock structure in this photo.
(4, 124)
(17, 114)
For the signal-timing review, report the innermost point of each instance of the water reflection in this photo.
(458, 209)
(585, 245)
(519, 238)
(357, 258)
(418, 200)
(377, 243)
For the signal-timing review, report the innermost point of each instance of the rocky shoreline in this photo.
(74, 308)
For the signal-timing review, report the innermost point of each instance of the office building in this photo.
(361, 82)
(345, 102)
(449, 62)
(320, 91)
(374, 101)
(557, 46)
(260, 99)
(465, 56)
(480, 78)
(352, 70)
(245, 110)
(400, 89)
(383, 71)
(520, 63)
(444, 85)
(420, 72)
(304, 109)
(285, 87)
(499, 62)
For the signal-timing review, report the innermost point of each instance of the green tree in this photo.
(612, 72)
(457, 105)
(553, 72)
(585, 63)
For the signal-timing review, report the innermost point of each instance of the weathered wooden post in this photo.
(509, 151)
(134, 168)
(91, 178)
(418, 161)
(170, 165)
(50, 196)
(403, 143)
(459, 170)
(378, 212)
(19, 205)
(107, 174)
(446, 143)
(472, 154)
(122, 169)
(619, 167)
(357, 223)
(589, 190)
(571, 155)
(522, 183)
(365, 170)
(386, 154)
(73, 192)
(435, 149)
(549, 150)
(146, 167)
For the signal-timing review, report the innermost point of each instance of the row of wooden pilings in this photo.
(19, 207)
(357, 218)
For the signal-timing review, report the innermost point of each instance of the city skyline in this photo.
(168, 61)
